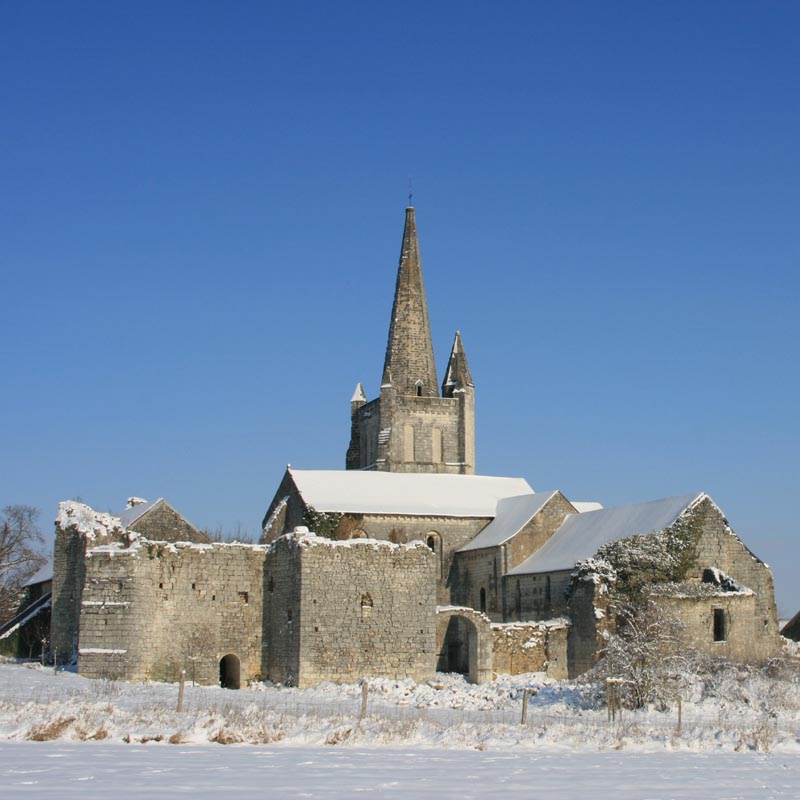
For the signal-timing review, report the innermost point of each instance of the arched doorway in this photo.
(464, 643)
(229, 672)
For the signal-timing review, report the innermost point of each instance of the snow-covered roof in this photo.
(44, 573)
(130, 515)
(580, 536)
(405, 493)
(512, 514)
(582, 506)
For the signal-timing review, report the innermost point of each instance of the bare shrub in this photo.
(177, 738)
(52, 729)
(226, 735)
(339, 736)
(647, 653)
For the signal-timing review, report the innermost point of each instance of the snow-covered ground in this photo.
(100, 771)
(739, 738)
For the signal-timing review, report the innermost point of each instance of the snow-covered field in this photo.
(100, 771)
(63, 733)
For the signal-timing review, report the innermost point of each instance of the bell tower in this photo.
(410, 427)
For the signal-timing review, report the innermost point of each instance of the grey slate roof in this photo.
(512, 514)
(580, 536)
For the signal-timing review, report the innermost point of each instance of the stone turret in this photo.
(409, 427)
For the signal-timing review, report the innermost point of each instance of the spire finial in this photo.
(410, 191)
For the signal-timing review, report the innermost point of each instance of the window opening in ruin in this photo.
(243, 598)
(483, 600)
(431, 542)
(719, 625)
(160, 585)
(366, 605)
(230, 672)
(271, 584)
(288, 614)
(194, 586)
(419, 388)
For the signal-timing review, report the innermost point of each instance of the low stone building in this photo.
(416, 564)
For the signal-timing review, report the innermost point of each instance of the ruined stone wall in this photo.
(531, 647)
(77, 527)
(366, 609)
(719, 547)
(164, 523)
(153, 609)
(697, 617)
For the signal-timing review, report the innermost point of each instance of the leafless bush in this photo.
(52, 729)
(646, 653)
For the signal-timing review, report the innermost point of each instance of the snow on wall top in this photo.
(405, 493)
(86, 520)
(580, 536)
(512, 514)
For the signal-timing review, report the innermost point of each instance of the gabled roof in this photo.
(410, 494)
(44, 573)
(512, 514)
(130, 515)
(580, 536)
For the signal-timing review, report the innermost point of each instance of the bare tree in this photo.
(21, 545)
(646, 653)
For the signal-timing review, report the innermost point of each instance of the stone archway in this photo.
(464, 643)
(230, 672)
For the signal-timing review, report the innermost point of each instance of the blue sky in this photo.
(201, 213)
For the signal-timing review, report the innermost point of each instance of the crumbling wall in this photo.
(77, 527)
(531, 647)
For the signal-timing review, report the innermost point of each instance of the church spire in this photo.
(457, 374)
(409, 351)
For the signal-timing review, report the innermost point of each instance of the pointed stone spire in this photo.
(409, 351)
(457, 374)
(358, 395)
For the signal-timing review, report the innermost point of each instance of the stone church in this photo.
(414, 564)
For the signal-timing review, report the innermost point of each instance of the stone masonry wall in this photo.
(163, 523)
(537, 596)
(367, 608)
(155, 608)
(478, 570)
(697, 616)
(77, 527)
(531, 647)
(719, 547)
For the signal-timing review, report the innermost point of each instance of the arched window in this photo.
(483, 600)
(419, 388)
(408, 443)
(436, 446)
(431, 542)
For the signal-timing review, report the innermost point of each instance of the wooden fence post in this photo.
(679, 714)
(525, 695)
(180, 690)
(364, 694)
